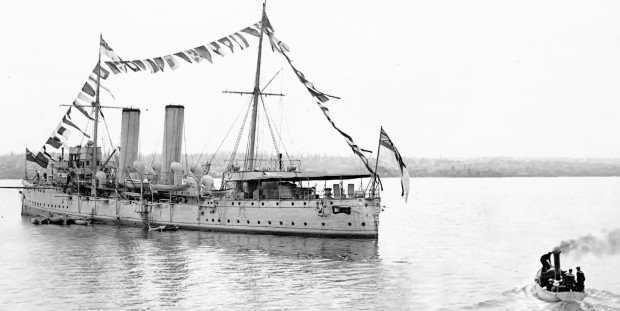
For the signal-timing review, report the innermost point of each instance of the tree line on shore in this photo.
(12, 166)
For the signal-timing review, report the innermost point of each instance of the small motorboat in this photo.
(81, 221)
(558, 291)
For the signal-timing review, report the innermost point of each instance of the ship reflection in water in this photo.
(125, 267)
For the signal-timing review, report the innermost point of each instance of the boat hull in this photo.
(280, 217)
(545, 295)
(548, 296)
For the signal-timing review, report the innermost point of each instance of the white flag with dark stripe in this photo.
(385, 141)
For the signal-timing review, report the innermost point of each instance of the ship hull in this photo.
(318, 217)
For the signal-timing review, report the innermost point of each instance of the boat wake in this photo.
(524, 298)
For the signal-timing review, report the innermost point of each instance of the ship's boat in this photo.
(265, 192)
(39, 220)
(56, 220)
(81, 221)
(168, 188)
(549, 284)
(220, 192)
(136, 184)
(156, 228)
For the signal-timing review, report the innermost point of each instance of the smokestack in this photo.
(130, 132)
(556, 263)
(173, 135)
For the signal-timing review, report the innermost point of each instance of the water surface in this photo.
(458, 244)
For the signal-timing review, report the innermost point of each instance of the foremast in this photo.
(94, 166)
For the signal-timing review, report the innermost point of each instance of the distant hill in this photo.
(12, 166)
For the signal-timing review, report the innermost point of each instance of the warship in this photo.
(254, 195)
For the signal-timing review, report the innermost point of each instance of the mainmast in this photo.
(256, 94)
(94, 166)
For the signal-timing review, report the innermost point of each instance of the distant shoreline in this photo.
(12, 166)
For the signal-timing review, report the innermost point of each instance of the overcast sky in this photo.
(444, 78)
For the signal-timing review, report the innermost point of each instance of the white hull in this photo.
(288, 217)
(545, 295)
(548, 296)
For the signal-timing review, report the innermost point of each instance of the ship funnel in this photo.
(556, 263)
(173, 135)
(130, 132)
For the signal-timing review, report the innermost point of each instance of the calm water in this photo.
(458, 244)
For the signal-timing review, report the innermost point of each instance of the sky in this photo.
(443, 78)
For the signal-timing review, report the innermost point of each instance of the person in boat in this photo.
(581, 278)
(37, 176)
(545, 277)
(569, 280)
(44, 176)
(550, 285)
(546, 261)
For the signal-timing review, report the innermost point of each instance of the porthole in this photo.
(269, 222)
(292, 223)
(258, 222)
(262, 203)
(292, 203)
(229, 221)
(218, 220)
(212, 220)
(363, 224)
(323, 224)
(331, 203)
(349, 224)
(252, 203)
(305, 223)
(233, 203)
(280, 223)
(248, 222)
(304, 203)
(238, 203)
(277, 203)
(237, 220)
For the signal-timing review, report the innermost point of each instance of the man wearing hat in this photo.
(581, 278)
(546, 262)
(569, 280)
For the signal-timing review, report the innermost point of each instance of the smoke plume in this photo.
(607, 244)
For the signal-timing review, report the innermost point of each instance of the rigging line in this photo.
(274, 76)
(85, 130)
(280, 103)
(275, 143)
(231, 127)
(249, 141)
(204, 147)
(218, 148)
(107, 131)
(273, 136)
(157, 146)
